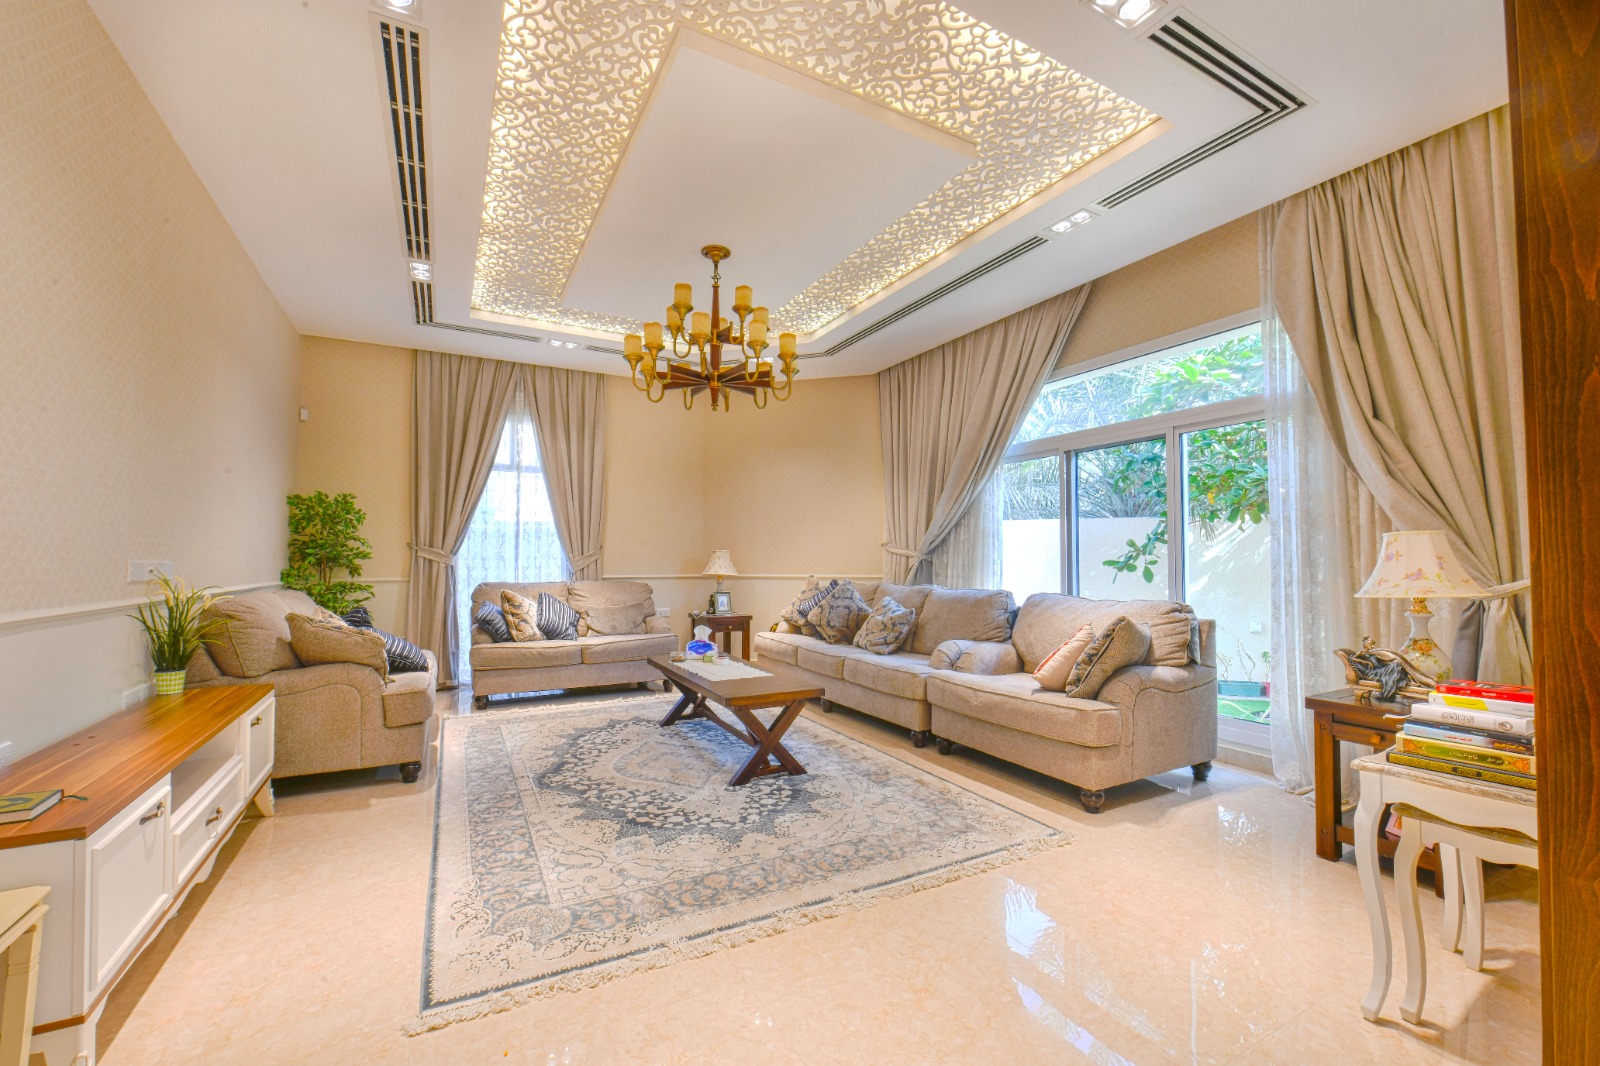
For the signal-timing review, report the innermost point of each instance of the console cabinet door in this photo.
(260, 737)
(130, 881)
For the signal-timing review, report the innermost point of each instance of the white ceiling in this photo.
(279, 105)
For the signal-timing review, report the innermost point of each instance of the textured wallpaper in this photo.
(1207, 277)
(149, 396)
(359, 439)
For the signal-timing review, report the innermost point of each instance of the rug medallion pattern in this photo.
(576, 843)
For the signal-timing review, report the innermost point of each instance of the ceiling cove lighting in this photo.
(1081, 217)
(1129, 14)
(704, 334)
(421, 270)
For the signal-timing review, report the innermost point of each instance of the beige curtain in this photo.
(458, 412)
(947, 417)
(1396, 285)
(569, 413)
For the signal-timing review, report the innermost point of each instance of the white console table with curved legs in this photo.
(1459, 800)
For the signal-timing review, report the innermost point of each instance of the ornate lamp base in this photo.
(1425, 654)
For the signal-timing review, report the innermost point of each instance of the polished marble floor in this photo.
(1187, 923)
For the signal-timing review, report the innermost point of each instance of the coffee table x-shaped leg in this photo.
(769, 757)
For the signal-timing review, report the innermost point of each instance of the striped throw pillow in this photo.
(404, 657)
(492, 620)
(555, 619)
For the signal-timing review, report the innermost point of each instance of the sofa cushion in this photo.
(838, 615)
(253, 638)
(962, 614)
(912, 596)
(783, 647)
(1118, 643)
(828, 659)
(626, 647)
(316, 642)
(901, 674)
(600, 599)
(1048, 619)
(1057, 666)
(526, 655)
(887, 628)
(489, 591)
(490, 618)
(522, 616)
(408, 698)
(1017, 702)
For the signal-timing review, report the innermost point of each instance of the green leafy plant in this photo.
(325, 538)
(172, 625)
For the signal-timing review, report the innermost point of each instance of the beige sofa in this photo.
(976, 689)
(336, 716)
(588, 662)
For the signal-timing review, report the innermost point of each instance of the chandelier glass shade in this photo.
(689, 357)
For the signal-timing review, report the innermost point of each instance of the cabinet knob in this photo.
(216, 814)
(255, 721)
(160, 809)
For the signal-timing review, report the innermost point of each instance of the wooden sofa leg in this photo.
(1092, 799)
(826, 705)
(480, 703)
(919, 738)
(944, 745)
(1202, 770)
(409, 771)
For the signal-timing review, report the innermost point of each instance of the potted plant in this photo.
(172, 624)
(325, 537)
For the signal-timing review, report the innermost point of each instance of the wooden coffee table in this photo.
(743, 697)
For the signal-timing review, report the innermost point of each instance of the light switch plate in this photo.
(5, 754)
(142, 570)
(136, 694)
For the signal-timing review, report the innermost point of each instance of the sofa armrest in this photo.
(1124, 686)
(479, 636)
(363, 679)
(976, 657)
(656, 624)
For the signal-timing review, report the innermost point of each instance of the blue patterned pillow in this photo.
(555, 619)
(886, 628)
(492, 620)
(839, 613)
(813, 594)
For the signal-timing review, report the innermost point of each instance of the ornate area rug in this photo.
(573, 845)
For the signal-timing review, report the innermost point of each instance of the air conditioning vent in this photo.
(402, 70)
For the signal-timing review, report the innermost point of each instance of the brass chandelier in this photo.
(655, 375)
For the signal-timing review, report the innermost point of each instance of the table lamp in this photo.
(1420, 565)
(720, 564)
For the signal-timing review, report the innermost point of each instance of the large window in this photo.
(512, 536)
(1147, 479)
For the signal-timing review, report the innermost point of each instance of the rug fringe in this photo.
(682, 951)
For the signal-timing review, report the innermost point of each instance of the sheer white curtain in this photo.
(512, 535)
(969, 557)
(1313, 583)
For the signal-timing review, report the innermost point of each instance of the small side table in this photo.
(21, 923)
(1341, 718)
(723, 627)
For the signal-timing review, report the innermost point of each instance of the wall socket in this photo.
(136, 694)
(5, 755)
(142, 570)
(663, 612)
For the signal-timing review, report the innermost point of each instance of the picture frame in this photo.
(721, 603)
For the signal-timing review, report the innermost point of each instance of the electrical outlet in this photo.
(142, 570)
(136, 694)
(663, 612)
(5, 755)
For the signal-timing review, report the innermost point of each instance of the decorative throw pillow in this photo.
(838, 615)
(404, 656)
(492, 620)
(886, 627)
(618, 619)
(1121, 643)
(322, 614)
(316, 642)
(796, 613)
(359, 617)
(522, 616)
(555, 619)
(1057, 666)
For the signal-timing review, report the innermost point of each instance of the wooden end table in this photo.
(743, 696)
(723, 627)
(1341, 718)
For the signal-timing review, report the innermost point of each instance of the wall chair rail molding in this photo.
(737, 577)
(66, 615)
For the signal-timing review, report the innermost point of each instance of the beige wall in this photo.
(1206, 278)
(150, 375)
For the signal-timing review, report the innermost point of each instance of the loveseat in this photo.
(977, 689)
(592, 660)
(333, 716)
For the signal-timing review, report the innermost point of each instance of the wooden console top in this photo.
(117, 760)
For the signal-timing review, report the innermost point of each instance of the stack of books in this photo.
(1472, 729)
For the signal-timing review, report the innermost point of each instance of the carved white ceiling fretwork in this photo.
(575, 75)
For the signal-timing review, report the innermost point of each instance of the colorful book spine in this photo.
(1476, 773)
(1513, 693)
(1514, 724)
(1481, 703)
(1477, 738)
(1466, 755)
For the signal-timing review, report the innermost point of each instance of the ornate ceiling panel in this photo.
(574, 76)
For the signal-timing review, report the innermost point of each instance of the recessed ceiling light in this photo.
(1133, 10)
(421, 270)
(562, 344)
(1080, 217)
(1062, 226)
(399, 5)
(1129, 14)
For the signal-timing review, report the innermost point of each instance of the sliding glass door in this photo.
(1119, 521)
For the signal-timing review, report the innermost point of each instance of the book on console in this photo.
(1513, 693)
(1477, 773)
(1512, 724)
(1477, 738)
(25, 806)
(1467, 755)
(1482, 703)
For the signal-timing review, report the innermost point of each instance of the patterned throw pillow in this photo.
(1121, 643)
(555, 619)
(886, 628)
(839, 613)
(316, 643)
(1057, 666)
(404, 656)
(322, 614)
(492, 620)
(810, 596)
(522, 616)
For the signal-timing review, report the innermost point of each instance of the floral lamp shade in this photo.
(720, 565)
(1420, 564)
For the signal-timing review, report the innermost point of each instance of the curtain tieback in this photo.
(584, 560)
(1497, 591)
(434, 555)
(903, 553)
